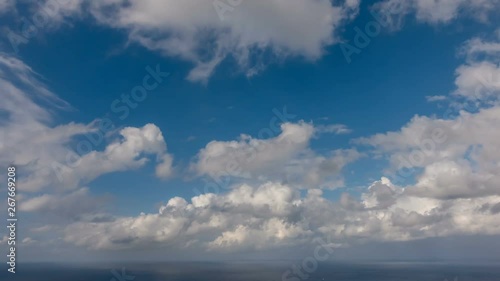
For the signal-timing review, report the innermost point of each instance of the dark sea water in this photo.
(253, 271)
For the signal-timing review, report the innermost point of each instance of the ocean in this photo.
(258, 271)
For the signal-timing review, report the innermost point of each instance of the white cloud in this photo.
(42, 150)
(28, 241)
(455, 156)
(244, 217)
(165, 169)
(271, 233)
(479, 77)
(381, 194)
(435, 98)
(273, 215)
(477, 47)
(455, 179)
(6, 5)
(338, 129)
(285, 157)
(205, 34)
(459, 156)
(27, 137)
(30, 140)
(434, 11)
(478, 80)
(461, 140)
(315, 171)
(248, 156)
(125, 154)
(43, 228)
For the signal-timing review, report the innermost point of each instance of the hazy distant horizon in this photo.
(462, 249)
(262, 272)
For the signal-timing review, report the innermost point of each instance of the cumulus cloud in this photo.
(285, 157)
(456, 155)
(247, 217)
(165, 169)
(274, 215)
(248, 155)
(381, 194)
(207, 32)
(43, 151)
(455, 179)
(435, 11)
(124, 154)
(459, 156)
(479, 78)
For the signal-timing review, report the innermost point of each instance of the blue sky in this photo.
(89, 56)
